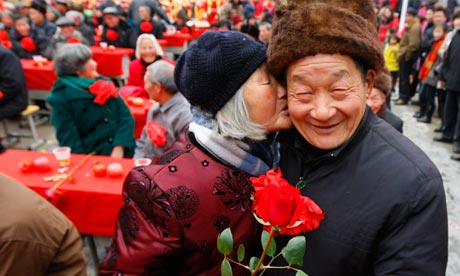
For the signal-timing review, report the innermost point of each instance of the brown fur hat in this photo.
(307, 27)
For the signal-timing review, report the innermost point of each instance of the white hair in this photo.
(156, 45)
(232, 120)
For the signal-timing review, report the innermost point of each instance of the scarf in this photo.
(252, 157)
(430, 59)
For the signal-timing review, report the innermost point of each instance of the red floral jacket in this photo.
(173, 213)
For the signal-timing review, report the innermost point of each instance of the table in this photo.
(39, 78)
(177, 42)
(112, 63)
(91, 203)
(139, 114)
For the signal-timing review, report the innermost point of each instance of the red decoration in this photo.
(111, 35)
(146, 27)
(185, 30)
(1, 94)
(103, 90)
(73, 40)
(4, 35)
(28, 44)
(156, 133)
(7, 44)
(282, 206)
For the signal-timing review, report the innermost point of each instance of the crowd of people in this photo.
(300, 86)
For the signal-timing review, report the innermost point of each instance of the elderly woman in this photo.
(174, 211)
(148, 50)
(86, 111)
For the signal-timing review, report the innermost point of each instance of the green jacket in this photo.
(85, 126)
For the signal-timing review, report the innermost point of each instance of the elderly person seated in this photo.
(148, 25)
(67, 33)
(116, 31)
(376, 99)
(27, 41)
(147, 52)
(168, 118)
(86, 111)
(174, 211)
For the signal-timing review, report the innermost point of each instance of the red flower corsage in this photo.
(73, 40)
(4, 35)
(103, 90)
(185, 30)
(156, 133)
(111, 35)
(1, 94)
(7, 44)
(28, 44)
(146, 27)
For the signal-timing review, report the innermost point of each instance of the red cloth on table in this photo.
(177, 39)
(110, 62)
(91, 203)
(139, 114)
(38, 76)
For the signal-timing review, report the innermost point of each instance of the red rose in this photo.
(111, 35)
(28, 44)
(73, 40)
(156, 133)
(146, 27)
(281, 205)
(103, 90)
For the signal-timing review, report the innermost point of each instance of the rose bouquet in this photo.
(281, 209)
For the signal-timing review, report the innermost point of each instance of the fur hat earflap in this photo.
(308, 27)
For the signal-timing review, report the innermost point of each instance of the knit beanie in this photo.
(210, 72)
(39, 6)
(308, 27)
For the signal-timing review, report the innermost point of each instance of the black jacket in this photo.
(384, 204)
(127, 36)
(450, 71)
(13, 88)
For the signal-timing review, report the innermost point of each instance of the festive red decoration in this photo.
(156, 133)
(28, 44)
(7, 44)
(73, 40)
(4, 35)
(281, 205)
(103, 90)
(185, 30)
(146, 27)
(111, 35)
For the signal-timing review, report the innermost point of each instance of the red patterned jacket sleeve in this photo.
(147, 237)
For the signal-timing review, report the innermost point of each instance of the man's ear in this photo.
(369, 81)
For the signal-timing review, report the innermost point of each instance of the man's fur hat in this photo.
(308, 27)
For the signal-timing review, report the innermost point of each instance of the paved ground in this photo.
(421, 134)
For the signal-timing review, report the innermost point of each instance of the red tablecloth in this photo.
(140, 115)
(91, 203)
(110, 62)
(163, 43)
(38, 77)
(177, 39)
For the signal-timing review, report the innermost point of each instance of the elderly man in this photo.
(383, 199)
(117, 32)
(171, 115)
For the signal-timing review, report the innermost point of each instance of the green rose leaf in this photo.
(301, 273)
(225, 242)
(226, 268)
(294, 251)
(272, 247)
(253, 262)
(240, 253)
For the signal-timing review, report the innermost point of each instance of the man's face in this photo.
(111, 20)
(36, 16)
(327, 98)
(439, 18)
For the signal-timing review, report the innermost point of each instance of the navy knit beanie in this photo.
(210, 72)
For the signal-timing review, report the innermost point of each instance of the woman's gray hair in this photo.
(156, 45)
(71, 58)
(162, 72)
(232, 120)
